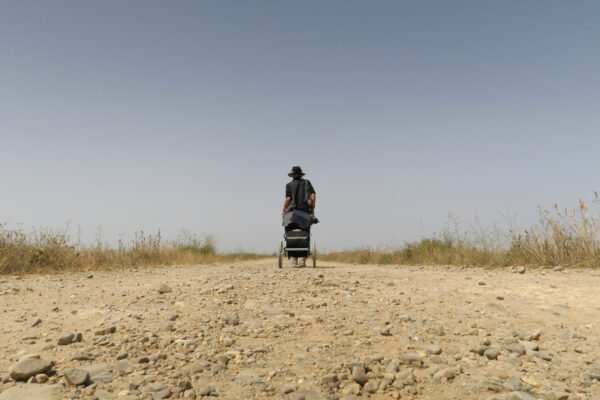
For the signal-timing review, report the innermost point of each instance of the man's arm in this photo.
(313, 194)
(286, 203)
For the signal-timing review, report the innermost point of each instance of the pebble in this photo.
(385, 330)
(207, 391)
(76, 377)
(66, 338)
(491, 353)
(232, 319)
(371, 387)
(445, 374)
(358, 373)
(432, 349)
(411, 356)
(101, 395)
(106, 331)
(164, 288)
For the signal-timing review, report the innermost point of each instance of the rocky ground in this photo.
(252, 331)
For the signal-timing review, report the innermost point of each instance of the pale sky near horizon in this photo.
(147, 115)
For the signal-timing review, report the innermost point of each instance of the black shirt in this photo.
(296, 190)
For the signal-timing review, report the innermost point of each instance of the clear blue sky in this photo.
(153, 114)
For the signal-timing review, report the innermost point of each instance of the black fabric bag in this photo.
(297, 218)
(297, 239)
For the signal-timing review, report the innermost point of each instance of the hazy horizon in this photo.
(153, 115)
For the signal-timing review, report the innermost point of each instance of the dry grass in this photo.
(53, 251)
(560, 237)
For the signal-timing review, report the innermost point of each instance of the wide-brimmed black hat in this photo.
(296, 172)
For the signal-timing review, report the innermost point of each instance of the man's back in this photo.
(299, 190)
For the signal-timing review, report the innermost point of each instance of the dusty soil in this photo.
(251, 331)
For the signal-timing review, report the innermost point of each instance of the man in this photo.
(300, 194)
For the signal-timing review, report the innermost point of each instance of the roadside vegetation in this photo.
(566, 237)
(55, 251)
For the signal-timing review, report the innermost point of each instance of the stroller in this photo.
(296, 241)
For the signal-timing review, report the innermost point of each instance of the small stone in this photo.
(36, 322)
(385, 330)
(184, 384)
(161, 394)
(520, 269)
(189, 394)
(289, 388)
(122, 356)
(516, 348)
(544, 356)
(199, 366)
(491, 353)
(41, 378)
(123, 367)
(432, 349)
(101, 395)
(81, 356)
(206, 391)
(232, 319)
(66, 338)
(371, 387)
(164, 288)
(167, 327)
(330, 381)
(76, 377)
(106, 331)
(411, 356)
(358, 373)
(392, 367)
(559, 268)
(447, 374)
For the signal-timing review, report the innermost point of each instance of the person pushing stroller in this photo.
(297, 216)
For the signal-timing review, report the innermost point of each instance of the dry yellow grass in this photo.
(51, 251)
(560, 237)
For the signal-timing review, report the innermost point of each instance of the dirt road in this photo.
(251, 331)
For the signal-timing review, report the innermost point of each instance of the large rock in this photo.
(29, 367)
(33, 392)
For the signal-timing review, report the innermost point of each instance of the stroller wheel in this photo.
(280, 254)
(314, 253)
